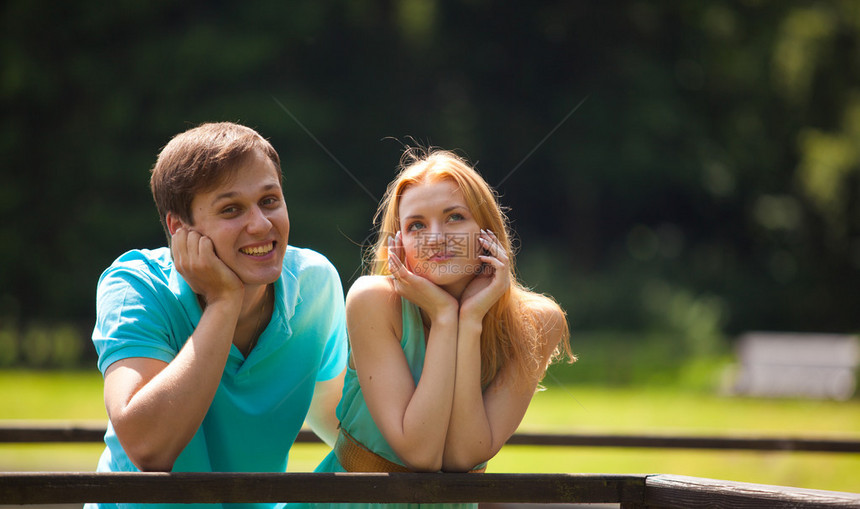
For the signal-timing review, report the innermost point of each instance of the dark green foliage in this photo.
(713, 165)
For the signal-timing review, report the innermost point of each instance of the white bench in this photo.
(776, 364)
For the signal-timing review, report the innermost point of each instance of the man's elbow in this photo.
(148, 456)
(154, 466)
(151, 461)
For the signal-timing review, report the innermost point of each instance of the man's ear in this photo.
(173, 222)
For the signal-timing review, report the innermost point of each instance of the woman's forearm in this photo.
(426, 417)
(469, 440)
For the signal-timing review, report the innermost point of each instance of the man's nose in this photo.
(258, 220)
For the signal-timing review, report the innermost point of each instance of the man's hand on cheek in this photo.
(195, 258)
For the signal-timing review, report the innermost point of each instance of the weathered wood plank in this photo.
(79, 487)
(672, 491)
(71, 432)
(46, 432)
(689, 442)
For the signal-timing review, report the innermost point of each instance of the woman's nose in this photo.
(433, 235)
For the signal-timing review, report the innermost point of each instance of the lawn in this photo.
(559, 409)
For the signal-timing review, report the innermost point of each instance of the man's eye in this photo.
(270, 201)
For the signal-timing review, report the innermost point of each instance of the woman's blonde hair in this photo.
(511, 329)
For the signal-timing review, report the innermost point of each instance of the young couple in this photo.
(217, 349)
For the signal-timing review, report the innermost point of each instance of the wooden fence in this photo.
(71, 432)
(629, 491)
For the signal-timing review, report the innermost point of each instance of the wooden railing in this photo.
(71, 432)
(629, 491)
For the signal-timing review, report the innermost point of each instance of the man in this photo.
(214, 351)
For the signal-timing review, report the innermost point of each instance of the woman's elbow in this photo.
(455, 465)
(421, 461)
(423, 465)
(425, 469)
(463, 460)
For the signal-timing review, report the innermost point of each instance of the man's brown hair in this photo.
(200, 159)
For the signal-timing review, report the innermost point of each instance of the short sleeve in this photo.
(132, 317)
(322, 297)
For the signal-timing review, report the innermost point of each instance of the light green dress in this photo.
(355, 417)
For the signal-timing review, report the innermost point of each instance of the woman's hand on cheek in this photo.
(195, 258)
(492, 281)
(416, 289)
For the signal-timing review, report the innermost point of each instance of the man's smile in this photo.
(261, 250)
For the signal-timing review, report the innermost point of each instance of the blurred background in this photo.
(678, 173)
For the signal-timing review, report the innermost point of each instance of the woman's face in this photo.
(440, 235)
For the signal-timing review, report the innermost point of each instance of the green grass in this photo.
(676, 412)
(74, 395)
(560, 408)
(51, 395)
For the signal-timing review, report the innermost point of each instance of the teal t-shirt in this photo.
(146, 309)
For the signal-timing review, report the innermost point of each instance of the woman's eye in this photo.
(456, 217)
(414, 226)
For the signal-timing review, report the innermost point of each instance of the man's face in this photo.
(246, 219)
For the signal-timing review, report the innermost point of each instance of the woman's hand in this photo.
(416, 289)
(195, 258)
(491, 283)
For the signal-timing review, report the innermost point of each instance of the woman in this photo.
(446, 346)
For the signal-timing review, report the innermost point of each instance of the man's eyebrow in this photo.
(232, 194)
(222, 196)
